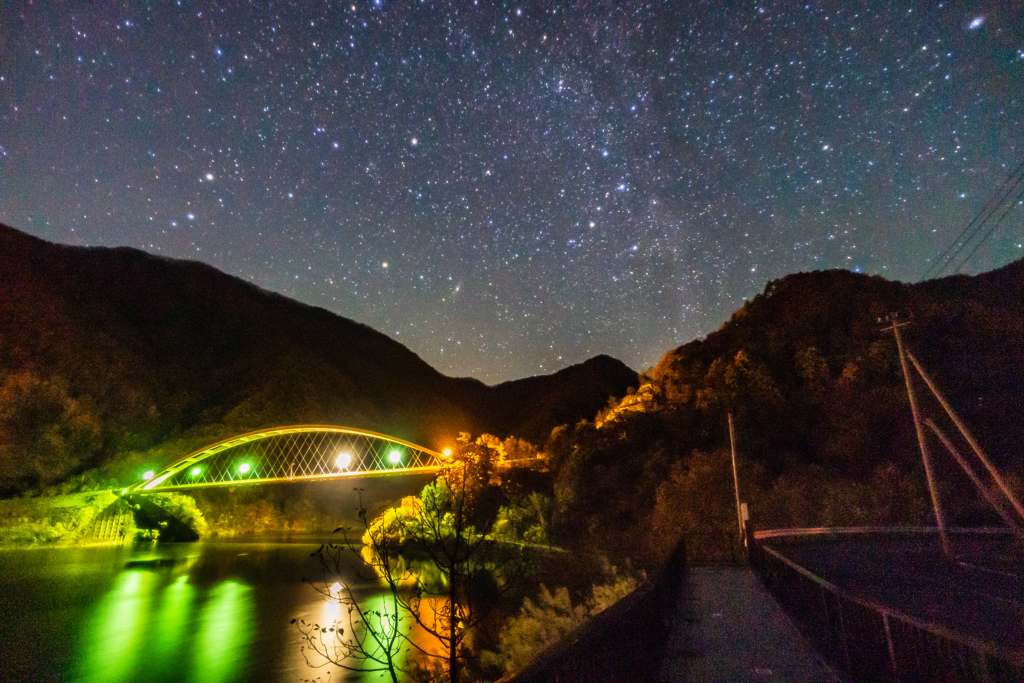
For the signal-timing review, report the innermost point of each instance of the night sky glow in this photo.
(508, 189)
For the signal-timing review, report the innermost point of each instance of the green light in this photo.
(112, 642)
(243, 468)
(383, 616)
(395, 457)
(196, 471)
(170, 626)
(222, 647)
(148, 474)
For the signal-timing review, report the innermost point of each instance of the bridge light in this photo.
(148, 474)
(447, 452)
(344, 461)
(196, 471)
(395, 457)
(243, 468)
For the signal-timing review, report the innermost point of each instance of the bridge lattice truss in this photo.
(302, 452)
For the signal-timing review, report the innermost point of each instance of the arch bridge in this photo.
(293, 453)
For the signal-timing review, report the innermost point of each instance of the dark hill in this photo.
(530, 407)
(823, 424)
(812, 374)
(109, 351)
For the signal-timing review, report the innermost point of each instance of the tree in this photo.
(375, 639)
(550, 619)
(437, 569)
(471, 567)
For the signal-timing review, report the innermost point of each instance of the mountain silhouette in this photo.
(109, 352)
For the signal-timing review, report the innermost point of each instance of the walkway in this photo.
(728, 628)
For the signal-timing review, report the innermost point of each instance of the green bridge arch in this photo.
(293, 453)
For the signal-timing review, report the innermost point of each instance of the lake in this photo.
(208, 611)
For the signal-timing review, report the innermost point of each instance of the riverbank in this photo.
(54, 520)
(94, 519)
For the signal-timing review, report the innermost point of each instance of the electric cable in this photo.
(1009, 207)
(978, 228)
(1017, 173)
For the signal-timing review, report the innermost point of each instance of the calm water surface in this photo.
(209, 611)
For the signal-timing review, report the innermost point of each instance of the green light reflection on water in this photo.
(222, 644)
(176, 611)
(381, 613)
(111, 648)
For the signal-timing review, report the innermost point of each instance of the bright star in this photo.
(209, 177)
(414, 142)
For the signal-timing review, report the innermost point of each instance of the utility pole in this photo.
(968, 437)
(735, 477)
(989, 496)
(929, 474)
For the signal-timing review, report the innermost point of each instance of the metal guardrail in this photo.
(871, 642)
(626, 642)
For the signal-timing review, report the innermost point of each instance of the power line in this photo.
(1020, 197)
(1015, 177)
(979, 227)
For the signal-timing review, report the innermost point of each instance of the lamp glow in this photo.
(243, 468)
(395, 457)
(196, 471)
(344, 461)
(447, 452)
(148, 474)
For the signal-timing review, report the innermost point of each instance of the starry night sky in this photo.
(509, 189)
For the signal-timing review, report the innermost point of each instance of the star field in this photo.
(508, 189)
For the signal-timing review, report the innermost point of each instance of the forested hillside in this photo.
(112, 357)
(822, 419)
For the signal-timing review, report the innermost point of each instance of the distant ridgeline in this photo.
(823, 425)
(114, 359)
(810, 375)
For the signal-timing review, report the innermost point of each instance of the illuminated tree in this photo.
(375, 639)
(471, 568)
(438, 571)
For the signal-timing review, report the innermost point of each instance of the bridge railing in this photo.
(872, 642)
(626, 642)
(290, 453)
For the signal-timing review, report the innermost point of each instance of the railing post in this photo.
(749, 542)
(983, 662)
(892, 650)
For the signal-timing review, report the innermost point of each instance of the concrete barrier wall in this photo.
(626, 642)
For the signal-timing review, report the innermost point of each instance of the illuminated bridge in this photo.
(295, 453)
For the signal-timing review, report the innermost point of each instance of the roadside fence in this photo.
(870, 642)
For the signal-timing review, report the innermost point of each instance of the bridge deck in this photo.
(728, 628)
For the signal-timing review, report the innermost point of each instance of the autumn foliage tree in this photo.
(441, 569)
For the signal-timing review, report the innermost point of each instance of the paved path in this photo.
(728, 628)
